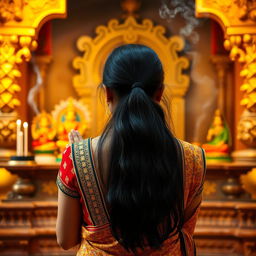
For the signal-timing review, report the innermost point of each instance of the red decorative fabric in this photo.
(66, 172)
(67, 182)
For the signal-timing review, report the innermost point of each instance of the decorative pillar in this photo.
(238, 21)
(20, 21)
(243, 49)
(221, 63)
(14, 50)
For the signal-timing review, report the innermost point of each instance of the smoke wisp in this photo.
(186, 9)
(209, 87)
(35, 89)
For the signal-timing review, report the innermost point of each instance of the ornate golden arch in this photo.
(97, 49)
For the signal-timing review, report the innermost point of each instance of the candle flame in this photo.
(18, 122)
(25, 125)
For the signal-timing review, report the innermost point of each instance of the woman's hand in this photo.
(74, 136)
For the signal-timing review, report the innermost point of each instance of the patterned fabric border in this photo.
(194, 164)
(203, 166)
(88, 182)
(183, 243)
(96, 177)
(65, 189)
(181, 151)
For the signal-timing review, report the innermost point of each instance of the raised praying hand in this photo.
(74, 136)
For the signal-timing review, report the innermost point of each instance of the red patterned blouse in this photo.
(67, 182)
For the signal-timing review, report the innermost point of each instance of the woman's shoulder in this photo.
(193, 155)
(189, 146)
(194, 166)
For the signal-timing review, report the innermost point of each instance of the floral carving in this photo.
(220, 4)
(7, 129)
(249, 182)
(11, 10)
(210, 188)
(13, 50)
(242, 9)
(247, 9)
(247, 129)
(49, 188)
(39, 6)
(243, 48)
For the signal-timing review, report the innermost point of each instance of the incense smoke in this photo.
(206, 106)
(186, 9)
(34, 90)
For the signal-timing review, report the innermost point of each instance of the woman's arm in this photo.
(68, 228)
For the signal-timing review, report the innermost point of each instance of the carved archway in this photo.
(96, 50)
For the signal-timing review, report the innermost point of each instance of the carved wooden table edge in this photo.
(227, 232)
(232, 166)
(229, 205)
(30, 167)
(29, 232)
(28, 205)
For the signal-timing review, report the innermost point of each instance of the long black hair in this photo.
(145, 180)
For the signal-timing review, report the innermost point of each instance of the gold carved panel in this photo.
(25, 17)
(96, 50)
(231, 15)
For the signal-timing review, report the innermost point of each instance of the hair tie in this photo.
(137, 85)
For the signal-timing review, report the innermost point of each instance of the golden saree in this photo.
(97, 239)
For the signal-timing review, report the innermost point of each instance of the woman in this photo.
(136, 189)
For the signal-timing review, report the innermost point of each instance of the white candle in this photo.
(18, 124)
(25, 126)
(21, 143)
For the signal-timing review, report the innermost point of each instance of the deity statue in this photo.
(217, 146)
(43, 133)
(70, 115)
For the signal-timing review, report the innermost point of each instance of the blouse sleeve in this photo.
(199, 170)
(66, 179)
(196, 191)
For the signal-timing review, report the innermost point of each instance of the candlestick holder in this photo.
(22, 160)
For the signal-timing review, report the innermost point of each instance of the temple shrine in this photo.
(52, 54)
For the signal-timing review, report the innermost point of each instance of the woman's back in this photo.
(80, 162)
(137, 191)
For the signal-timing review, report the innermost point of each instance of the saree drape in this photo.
(78, 178)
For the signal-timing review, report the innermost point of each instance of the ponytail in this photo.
(145, 182)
